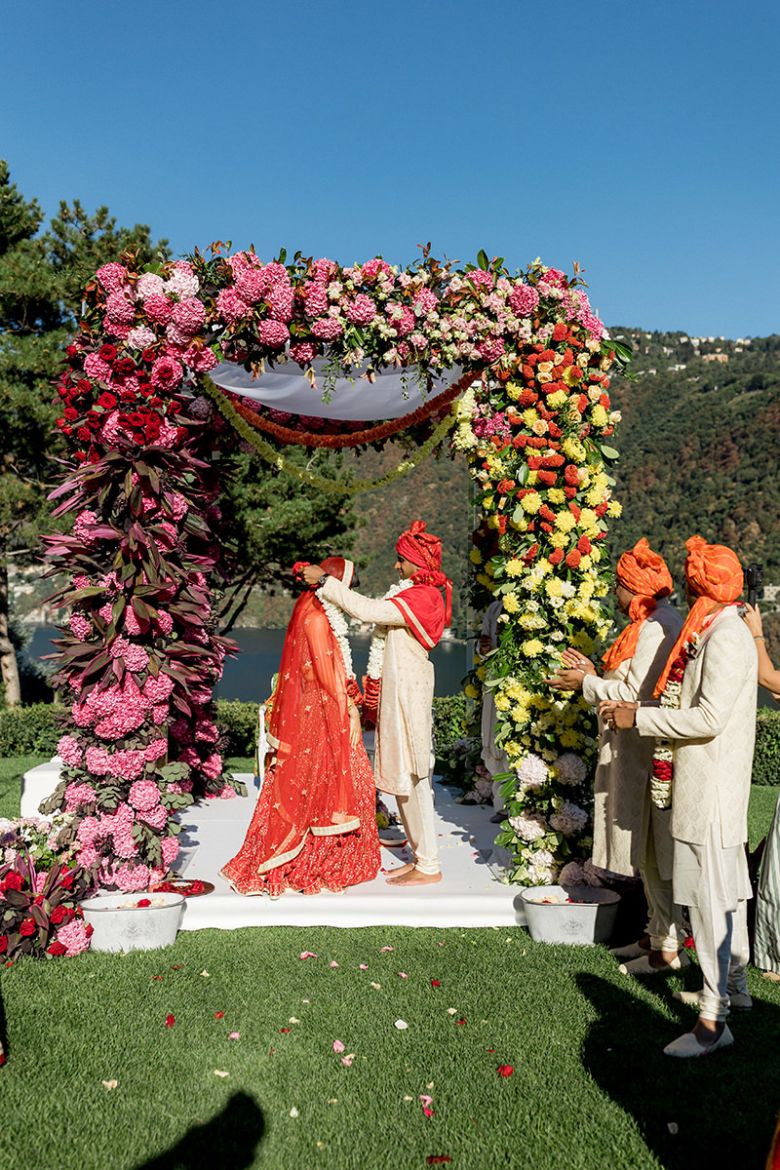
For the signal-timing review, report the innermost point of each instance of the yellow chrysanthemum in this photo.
(511, 603)
(502, 702)
(570, 738)
(470, 691)
(553, 587)
(558, 539)
(532, 648)
(530, 416)
(573, 450)
(615, 509)
(475, 556)
(599, 416)
(564, 521)
(515, 568)
(557, 399)
(556, 495)
(531, 503)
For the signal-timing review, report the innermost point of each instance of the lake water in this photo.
(249, 675)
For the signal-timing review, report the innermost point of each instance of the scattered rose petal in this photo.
(424, 1099)
(294, 1112)
(428, 1111)
(170, 1020)
(305, 1001)
(429, 1085)
(109, 1084)
(386, 950)
(205, 974)
(402, 975)
(220, 1072)
(333, 964)
(461, 1021)
(219, 1015)
(338, 1045)
(490, 1050)
(177, 967)
(401, 1025)
(284, 1029)
(452, 1011)
(157, 978)
(307, 955)
(505, 1070)
(408, 1098)
(363, 967)
(377, 986)
(333, 1100)
(234, 1035)
(435, 982)
(293, 1020)
(437, 1159)
(347, 1060)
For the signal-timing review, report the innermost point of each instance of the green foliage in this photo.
(449, 720)
(766, 762)
(237, 721)
(31, 729)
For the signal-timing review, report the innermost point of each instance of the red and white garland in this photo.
(662, 772)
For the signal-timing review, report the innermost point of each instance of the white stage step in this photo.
(468, 895)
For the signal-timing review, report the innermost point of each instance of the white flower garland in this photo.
(376, 652)
(338, 623)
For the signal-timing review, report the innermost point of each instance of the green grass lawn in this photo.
(590, 1086)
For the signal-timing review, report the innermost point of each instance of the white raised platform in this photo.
(468, 895)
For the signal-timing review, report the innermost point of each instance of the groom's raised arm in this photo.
(363, 609)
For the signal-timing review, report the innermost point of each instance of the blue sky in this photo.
(637, 139)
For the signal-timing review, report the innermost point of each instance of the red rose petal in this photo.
(437, 1159)
(284, 1029)
(460, 1023)
(219, 1015)
(157, 978)
(170, 1020)
(435, 982)
(505, 1070)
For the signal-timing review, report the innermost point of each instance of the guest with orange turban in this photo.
(705, 730)
(629, 834)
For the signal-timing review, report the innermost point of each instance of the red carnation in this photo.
(3, 943)
(547, 478)
(573, 559)
(545, 527)
(554, 431)
(27, 928)
(531, 554)
(56, 948)
(584, 545)
(556, 556)
(13, 881)
(560, 332)
(107, 352)
(575, 510)
(570, 492)
(107, 400)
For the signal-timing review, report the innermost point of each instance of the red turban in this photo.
(645, 574)
(423, 549)
(714, 577)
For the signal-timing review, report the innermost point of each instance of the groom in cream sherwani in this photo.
(712, 732)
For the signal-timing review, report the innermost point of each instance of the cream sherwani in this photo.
(629, 832)
(493, 757)
(404, 733)
(713, 734)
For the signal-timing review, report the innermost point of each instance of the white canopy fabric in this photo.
(286, 387)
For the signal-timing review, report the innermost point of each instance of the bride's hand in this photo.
(355, 730)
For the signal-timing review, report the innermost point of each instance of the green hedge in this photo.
(35, 729)
(766, 762)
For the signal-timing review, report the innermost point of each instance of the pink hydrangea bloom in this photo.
(144, 795)
(158, 308)
(425, 302)
(212, 766)
(127, 764)
(190, 757)
(141, 337)
(164, 621)
(170, 850)
(523, 299)
(206, 731)
(315, 298)
(69, 751)
(280, 302)
(120, 723)
(132, 624)
(323, 269)
(327, 328)
(74, 936)
(156, 817)
(189, 315)
(227, 793)
(491, 348)
(570, 769)
(303, 352)
(149, 285)
(115, 328)
(77, 795)
(253, 284)
(96, 368)
(156, 690)
(482, 280)
(89, 831)
(112, 429)
(274, 334)
(555, 278)
(182, 282)
(160, 714)
(119, 309)
(154, 750)
(177, 341)
(81, 581)
(113, 277)
(98, 761)
(168, 436)
(201, 360)
(361, 310)
(87, 856)
(569, 819)
(106, 612)
(401, 318)
(166, 373)
(181, 731)
(134, 657)
(82, 528)
(130, 878)
(230, 306)
(374, 268)
(240, 261)
(80, 626)
(179, 506)
(418, 340)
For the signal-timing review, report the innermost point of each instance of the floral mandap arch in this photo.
(515, 368)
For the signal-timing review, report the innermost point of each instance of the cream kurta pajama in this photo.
(713, 735)
(629, 832)
(404, 733)
(493, 757)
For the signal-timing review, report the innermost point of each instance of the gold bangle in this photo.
(758, 638)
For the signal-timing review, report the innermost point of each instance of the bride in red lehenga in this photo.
(314, 827)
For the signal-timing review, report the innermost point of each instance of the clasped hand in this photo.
(618, 715)
(575, 666)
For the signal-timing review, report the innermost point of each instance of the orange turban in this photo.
(715, 578)
(645, 574)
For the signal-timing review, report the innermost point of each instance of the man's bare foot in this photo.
(660, 959)
(415, 878)
(399, 871)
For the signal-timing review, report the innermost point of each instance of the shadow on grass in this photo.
(229, 1139)
(715, 1111)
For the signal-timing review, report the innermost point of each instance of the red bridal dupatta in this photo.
(317, 787)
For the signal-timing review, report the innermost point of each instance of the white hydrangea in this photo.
(570, 819)
(532, 771)
(570, 769)
(529, 828)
